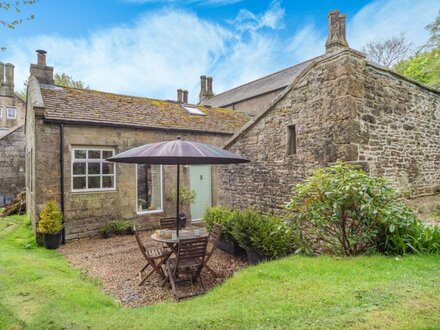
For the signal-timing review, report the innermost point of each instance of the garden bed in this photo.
(116, 261)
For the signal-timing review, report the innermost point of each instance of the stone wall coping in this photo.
(34, 92)
(396, 75)
(12, 131)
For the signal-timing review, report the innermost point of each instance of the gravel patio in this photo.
(116, 261)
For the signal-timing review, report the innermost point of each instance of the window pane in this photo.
(80, 154)
(94, 168)
(107, 154)
(108, 168)
(79, 182)
(79, 168)
(94, 182)
(108, 182)
(149, 187)
(94, 154)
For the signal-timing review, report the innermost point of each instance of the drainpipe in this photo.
(62, 177)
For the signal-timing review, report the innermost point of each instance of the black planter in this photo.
(230, 246)
(182, 220)
(52, 241)
(254, 257)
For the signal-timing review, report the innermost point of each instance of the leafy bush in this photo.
(266, 234)
(342, 210)
(117, 227)
(222, 216)
(51, 219)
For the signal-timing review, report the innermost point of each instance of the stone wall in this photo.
(322, 103)
(402, 122)
(7, 125)
(12, 164)
(86, 212)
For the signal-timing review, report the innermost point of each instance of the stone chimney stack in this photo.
(6, 79)
(203, 89)
(179, 95)
(336, 32)
(41, 71)
(185, 96)
(209, 92)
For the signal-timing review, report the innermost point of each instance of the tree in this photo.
(388, 52)
(17, 7)
(424, 66)
(67, 81)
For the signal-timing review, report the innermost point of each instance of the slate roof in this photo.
(275, 81)
(94, 107)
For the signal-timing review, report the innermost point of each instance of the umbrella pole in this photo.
(177, 199)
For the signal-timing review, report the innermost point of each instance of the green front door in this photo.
(200, 182)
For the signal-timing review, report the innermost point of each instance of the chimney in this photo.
(7, 79)
(203, 91)
(209, 92)
(179, 95)
(336, 32)
(185, 96)
(41, 71)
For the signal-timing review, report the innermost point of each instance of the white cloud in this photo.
(170, 49)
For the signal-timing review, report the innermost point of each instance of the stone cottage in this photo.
(12, 141)
(338, 106)
(70, 132)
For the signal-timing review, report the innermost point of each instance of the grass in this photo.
(40, 290)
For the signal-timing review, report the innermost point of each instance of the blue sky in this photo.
(151, 47)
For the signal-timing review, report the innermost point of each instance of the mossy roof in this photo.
(89, 106)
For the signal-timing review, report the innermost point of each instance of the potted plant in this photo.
(50, 225)
(186, 198)
(107, 230)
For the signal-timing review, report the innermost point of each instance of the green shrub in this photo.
(51, 219)
(267, 234)
(222, 216)
(117, 227)
(342, 210)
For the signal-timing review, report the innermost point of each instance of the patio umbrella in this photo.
(177, 152)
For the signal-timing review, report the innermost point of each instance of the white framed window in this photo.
(11, 112)
(149, 188)
(1, 112)
(90, 171)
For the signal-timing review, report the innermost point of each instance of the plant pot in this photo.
(108, 234)
(52, 241)
(230, 246)
(130, 231)
(182, 220)
(254, 256)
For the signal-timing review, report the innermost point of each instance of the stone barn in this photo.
(338, 106)
(70, 132)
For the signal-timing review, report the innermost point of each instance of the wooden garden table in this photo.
(172, 243)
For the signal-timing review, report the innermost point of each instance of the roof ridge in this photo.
(264, 77)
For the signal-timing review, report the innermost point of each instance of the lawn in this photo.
(40, 290)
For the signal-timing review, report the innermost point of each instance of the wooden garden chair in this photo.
(189, 261)
(155, 257)
(214, 237)
(167, 223)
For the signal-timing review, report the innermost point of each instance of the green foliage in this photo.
(117, 227)
(222, 216)
(51, 219)
(186, 196)
(342, 210)
(267, 234)
(67, 81)
(423, 67)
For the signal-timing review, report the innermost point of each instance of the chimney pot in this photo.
(336, 32)
(209, 92)
(41, 57)
(185, 96)
(203, 89)
(179, 95)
